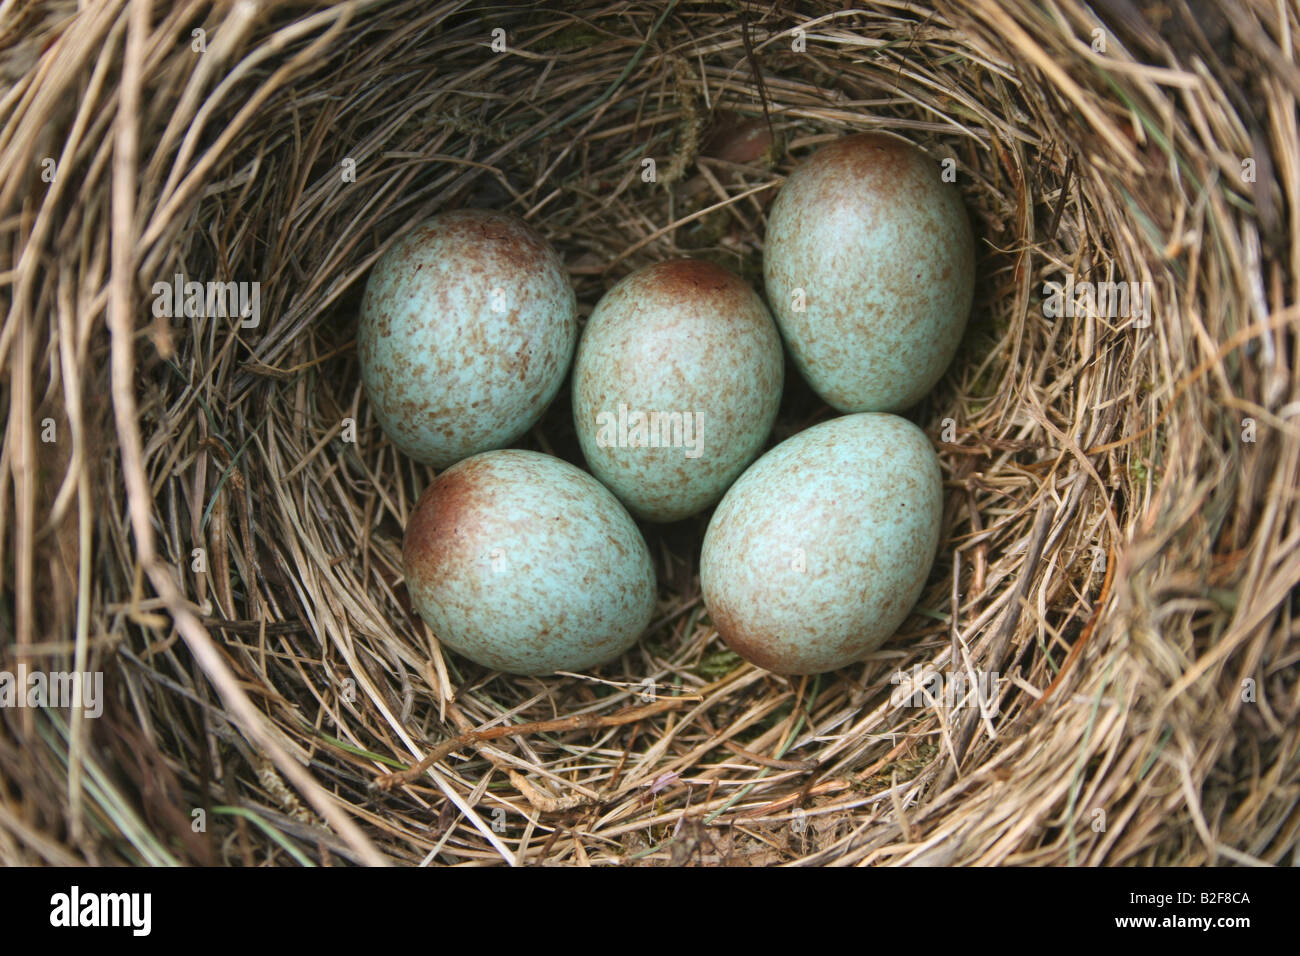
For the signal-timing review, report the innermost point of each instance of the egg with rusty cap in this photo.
(675, 386)
(821, 548)
(526, 564)
(869, 265)
(468, 326)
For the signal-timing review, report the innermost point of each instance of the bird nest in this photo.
(201, 515)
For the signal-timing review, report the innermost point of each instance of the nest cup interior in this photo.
(1100, 534)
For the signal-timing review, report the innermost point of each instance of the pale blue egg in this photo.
(869, 266)
(820, 550)
(676, 384)
(468, 326)
(527, 564)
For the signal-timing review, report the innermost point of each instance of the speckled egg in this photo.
(675, 386)
(821, 548)
(467, 330)
(869, 264)
(525, 563)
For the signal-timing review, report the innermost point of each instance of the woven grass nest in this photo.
(1121, 542)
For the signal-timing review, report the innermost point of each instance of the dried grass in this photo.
(1113, 548)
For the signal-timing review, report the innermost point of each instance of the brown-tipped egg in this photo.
(675, 386)
(527, 564)
(869, 263)
(467, 329)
